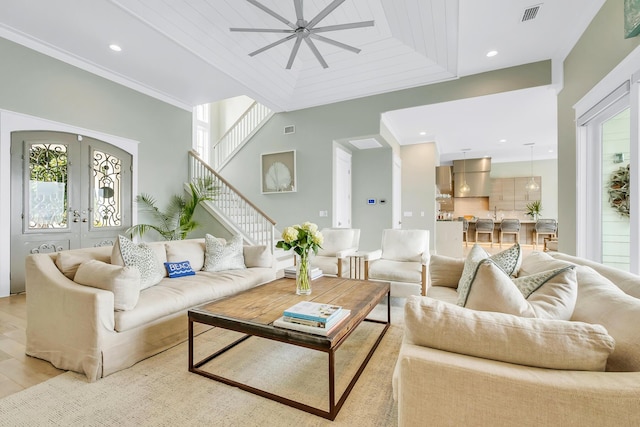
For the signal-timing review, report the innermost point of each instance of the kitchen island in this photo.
(527, 226)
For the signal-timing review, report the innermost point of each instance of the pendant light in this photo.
(532, 185)
(464, 188)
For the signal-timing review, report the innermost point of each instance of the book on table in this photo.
(290, 273)
(324, 331)
(314, 311)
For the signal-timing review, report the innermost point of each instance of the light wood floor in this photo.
(17, 370)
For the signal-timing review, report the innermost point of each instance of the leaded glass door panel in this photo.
(68, 191)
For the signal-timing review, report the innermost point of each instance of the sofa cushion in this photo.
(601, 301)
(141, 256)
(445, 271)
(257, 256)
(550, 295)
(335, 241)
(124, 282)
(396, 271)
(69, 261)
(191, 250)
(508, 260)
(221, 256)
(171, 296)
(544, 343)
(404, 245)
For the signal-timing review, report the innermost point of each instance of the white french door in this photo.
(67, 191)
(342, 189)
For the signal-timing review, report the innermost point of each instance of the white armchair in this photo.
(338, 244)
(402, 260)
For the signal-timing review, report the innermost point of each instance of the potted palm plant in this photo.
(177, 220)
(533, 209)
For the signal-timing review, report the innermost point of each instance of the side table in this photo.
(356, 265)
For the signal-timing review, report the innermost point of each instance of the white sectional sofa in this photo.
(459, 366)
(109, 323)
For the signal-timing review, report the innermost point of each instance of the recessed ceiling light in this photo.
(114, 47)
(423, 133)
(492, 53)
(503, 140)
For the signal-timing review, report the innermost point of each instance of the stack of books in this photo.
(290, 273)
(312, 317)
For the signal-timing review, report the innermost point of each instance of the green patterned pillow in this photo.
(129, 254)
(220, 256)
(549, 295)
(476, 254)
(508, 260)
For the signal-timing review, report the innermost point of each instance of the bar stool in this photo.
(510, 226)
(545, 226)
(484, 225)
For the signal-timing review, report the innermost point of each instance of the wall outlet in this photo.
(408, 213)
(324, 213)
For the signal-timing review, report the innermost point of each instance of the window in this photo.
(201, 130)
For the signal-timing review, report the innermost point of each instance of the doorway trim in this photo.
(626, 71)
(10, 122)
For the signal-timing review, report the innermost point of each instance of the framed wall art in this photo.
(631, 18)
(278, 172)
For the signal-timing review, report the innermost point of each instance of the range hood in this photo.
(477, 173)
(444, 185)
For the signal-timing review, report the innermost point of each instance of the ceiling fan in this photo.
(304, 30)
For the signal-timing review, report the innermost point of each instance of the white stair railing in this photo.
(238, 134)
(255, 225)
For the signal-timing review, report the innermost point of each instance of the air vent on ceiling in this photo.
(530, 13)
(289, 129)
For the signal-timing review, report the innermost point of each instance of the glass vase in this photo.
(303, 275)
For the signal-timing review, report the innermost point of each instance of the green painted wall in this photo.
(35, 84)
(316, 130)
(599, 50)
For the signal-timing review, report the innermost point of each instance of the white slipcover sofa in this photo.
(459, 366)
(109, 323)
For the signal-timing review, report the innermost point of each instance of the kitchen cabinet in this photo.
(502, 194)
(509, 194)
(523, 197)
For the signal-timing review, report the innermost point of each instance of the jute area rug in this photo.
(160, 391)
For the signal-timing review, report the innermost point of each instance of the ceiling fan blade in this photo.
(323, 14)
(343, 26)
(335, 43)
(294, 52)
(261, 30)
(272, 13)
(298, 6)
(269, 46)
(316, 52)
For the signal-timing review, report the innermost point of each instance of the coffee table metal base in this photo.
(334, 406)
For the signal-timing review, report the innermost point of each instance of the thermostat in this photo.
(371, 201)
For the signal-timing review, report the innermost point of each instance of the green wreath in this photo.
(619, 190)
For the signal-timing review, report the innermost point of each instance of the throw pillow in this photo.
(124, 282)
(141, 256)
(445, 271)
(549, 295)
(69, 261)
(257, 256)
(221, 256)
(179, 269)
(544, 343)
(537, 262)
(191, 250)
(508, 260)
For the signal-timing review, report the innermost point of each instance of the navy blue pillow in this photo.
(179, 269)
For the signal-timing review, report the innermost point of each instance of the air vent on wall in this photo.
(289, 129)
(530, 13)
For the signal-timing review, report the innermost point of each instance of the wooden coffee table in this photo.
(253, 312)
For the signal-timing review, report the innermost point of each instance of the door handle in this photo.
(85, 220)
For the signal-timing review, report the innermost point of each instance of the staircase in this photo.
(241, 131)
(236, 213)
